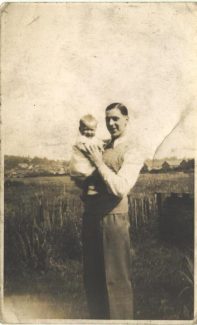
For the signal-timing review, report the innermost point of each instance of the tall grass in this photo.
(187, 291)
(43, 229)
(38, 229)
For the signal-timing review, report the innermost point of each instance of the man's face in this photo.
(116, 122)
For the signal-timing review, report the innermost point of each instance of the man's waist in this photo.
(105, 203)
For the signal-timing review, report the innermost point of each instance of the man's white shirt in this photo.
(122, 182)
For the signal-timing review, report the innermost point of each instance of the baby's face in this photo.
(87, 131)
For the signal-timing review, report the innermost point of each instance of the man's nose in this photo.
(111, 122)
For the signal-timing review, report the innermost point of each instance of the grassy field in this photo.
(167, 182)
(43, 251)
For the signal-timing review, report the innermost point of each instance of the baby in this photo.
(80, 165)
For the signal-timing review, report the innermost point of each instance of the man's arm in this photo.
(121, 183)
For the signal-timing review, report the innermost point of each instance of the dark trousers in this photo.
(106, 258)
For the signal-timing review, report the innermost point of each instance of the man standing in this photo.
(106, 240)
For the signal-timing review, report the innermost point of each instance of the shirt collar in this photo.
(123, 138)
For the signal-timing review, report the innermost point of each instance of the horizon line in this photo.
(63, 159)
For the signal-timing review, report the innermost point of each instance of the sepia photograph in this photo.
(98, 111)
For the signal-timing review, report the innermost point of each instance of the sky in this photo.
(63, 60)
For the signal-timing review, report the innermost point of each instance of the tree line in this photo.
(186, 165)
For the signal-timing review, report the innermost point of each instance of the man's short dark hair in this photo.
(123, 109)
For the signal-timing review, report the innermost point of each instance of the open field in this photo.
(147, 183)
(43, 263)
(177, 182)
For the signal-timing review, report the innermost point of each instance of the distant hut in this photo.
(23, 165)
(186, 165)
(165, 167)
(144, 169)
(183, 165)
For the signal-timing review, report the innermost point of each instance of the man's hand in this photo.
(94, 154)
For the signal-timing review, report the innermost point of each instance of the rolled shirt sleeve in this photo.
(122, 182)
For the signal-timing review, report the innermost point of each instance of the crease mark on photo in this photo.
(33, 21)
(181, 119)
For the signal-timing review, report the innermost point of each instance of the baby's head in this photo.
(88, 125)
